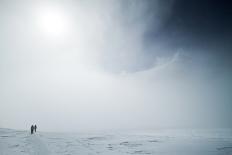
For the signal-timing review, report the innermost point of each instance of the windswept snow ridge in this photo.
(165, 142)
(21, 143)
(37, 146)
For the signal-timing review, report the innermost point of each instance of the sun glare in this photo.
(52, 21)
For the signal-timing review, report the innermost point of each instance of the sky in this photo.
(80, 65)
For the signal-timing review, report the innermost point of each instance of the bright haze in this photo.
(79, 65)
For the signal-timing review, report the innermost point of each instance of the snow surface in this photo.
(158, 142)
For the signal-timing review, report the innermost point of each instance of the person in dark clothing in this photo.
(35, 127)
(32, 129)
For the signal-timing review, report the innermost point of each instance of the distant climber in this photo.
(32, 129)
(35, 127)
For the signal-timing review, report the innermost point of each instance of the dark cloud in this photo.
(196, 23)
(201, 29)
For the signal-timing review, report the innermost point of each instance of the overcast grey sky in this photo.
(89, 65)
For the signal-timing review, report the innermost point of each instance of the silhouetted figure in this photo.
(32, 129)
(35, 127)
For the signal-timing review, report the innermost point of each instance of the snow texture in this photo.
(158, 142)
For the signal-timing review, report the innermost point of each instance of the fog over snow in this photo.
(99, 65)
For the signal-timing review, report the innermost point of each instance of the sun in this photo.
(52, 21)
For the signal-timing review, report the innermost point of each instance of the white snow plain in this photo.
(158, 142)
